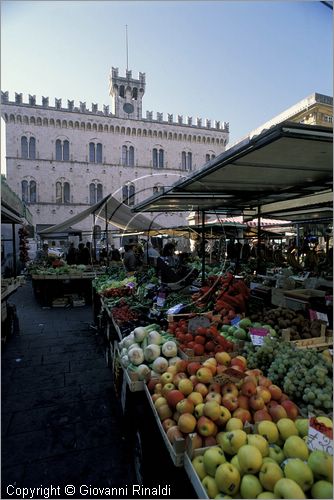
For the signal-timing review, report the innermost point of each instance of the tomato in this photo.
(213, 330)
(188, 337)
(190, 345)
(210, 346)
(200, 339)
(181, 337)
(201, 330)
(198, 349)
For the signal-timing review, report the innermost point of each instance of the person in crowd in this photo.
(80, 254)
(103, 255)
(42, 254)
(167, 264)
(71, 257)
(129, 259)
(150, 255)
(86, 253)
(115, 255)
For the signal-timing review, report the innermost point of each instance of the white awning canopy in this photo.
(109, 210)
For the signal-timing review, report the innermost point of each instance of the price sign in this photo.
(229, 375)
(197, 321)
(257, 335)
(318, 315)
(320, 437)
(235, 321)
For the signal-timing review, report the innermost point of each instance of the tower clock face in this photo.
(128, 108)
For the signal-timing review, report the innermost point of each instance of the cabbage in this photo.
(154, 337)
(127, 341)
(160, 365)
(151, 352)
(169, 349)
(136, 356)
(144, 372)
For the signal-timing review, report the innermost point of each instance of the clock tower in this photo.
(127, 94)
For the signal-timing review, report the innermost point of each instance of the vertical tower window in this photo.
(95, 192)
(187, 160)
(62, 150)
(128, 192)
(158, 158)
(95, 152)
(62, 192)
(29, 191)
(209, 156)
(128, 156)
(28, 149)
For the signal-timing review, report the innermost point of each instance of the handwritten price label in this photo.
(320, 439)
(229, 375)
(318, 315)
(257, 335)
(197, 321)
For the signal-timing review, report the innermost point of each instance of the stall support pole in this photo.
(297, 241)
(14, 251)
(94, 236)
(107, 238)
(203, 246)
(258, 239)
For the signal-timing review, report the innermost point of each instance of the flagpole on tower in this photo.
(127, 48)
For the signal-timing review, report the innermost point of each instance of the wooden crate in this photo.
(325, 340)
(175, 450)
(191, 473)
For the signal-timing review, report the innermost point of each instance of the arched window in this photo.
(28, 149)
(128, 156)
(62, 150)
(128, 192)
(158, 158)
(59, 153)
(95, 152)
(66, 150)
(157, 189)
(62, 191)
(24, 147)
(186, 163)
(29, 194)
(95, 192)
(209, 156)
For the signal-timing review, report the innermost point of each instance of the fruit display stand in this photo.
(191, 473)
(177, 449)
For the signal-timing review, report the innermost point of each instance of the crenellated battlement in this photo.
(159, 117)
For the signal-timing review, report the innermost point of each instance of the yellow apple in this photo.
(227, 478)
(210, 486)
(295, 447)
(270, 473)
(195, 397)
(260, 442)
(268, 430)
(198, 465)
(300, 472)
(185, 386)
(212, 458)
(250, 486)
(321, 464)
(287, 488)
(234, 423)
(250, 459)
(322, 489)
(286, 428)
(231, 441)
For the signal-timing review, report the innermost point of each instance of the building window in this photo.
(62, 192)
(328, 118)
(158, 158)
(158, 189)
(128, 156)
(95, 152)
(209, 156)
(187, 161)
(28, 191)
(62, 150)
(95, 192)
(28, 148)
(128, 192)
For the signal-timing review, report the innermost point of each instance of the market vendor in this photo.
(129, 259)
(167, 264)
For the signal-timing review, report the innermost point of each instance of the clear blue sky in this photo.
(240, 61)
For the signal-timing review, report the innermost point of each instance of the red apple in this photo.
(215, 387)
(275, 391)
(173, 397)
(243, 402)
(236, 362)
(179, 376)
(181, 365)
(174, 433)
(230, 401)
(196, 398)
(284, 397)
(213, 396)
(185, 406)
(230, 388)
(168, 423)
(256, 402)
(194, 379)
(164, 412)
(290, 408)
(248, 388)
(250, 378)
(260, 415)
(205, 426)
(152, 383)
(264, 381)
(201, 388)
(277, 412)
(192, 367)
(209, 441)
(204, 375)
(244, 415)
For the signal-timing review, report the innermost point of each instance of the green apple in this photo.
(302, 426)
(210, 486)
(287, 488)
(322, 489)
(269, 474)
(231, 441)
(300, 472)
(213, 457)
(227, 478)
(234, 461)
(267, 494)
(295, 447)
(250, 459)
(321, 464)
(269, 460)
(250, 486)
(287, 428)
(198, 465)
(268, 430)
(276, 453)
(260, 442)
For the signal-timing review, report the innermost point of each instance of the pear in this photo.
(250, 459)
(250, 486)
(322, 489)
(321, 464)
(295, 447)
(269, 474)
(287, 488)
(260, 442)
(300, 472)
(286, 428)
